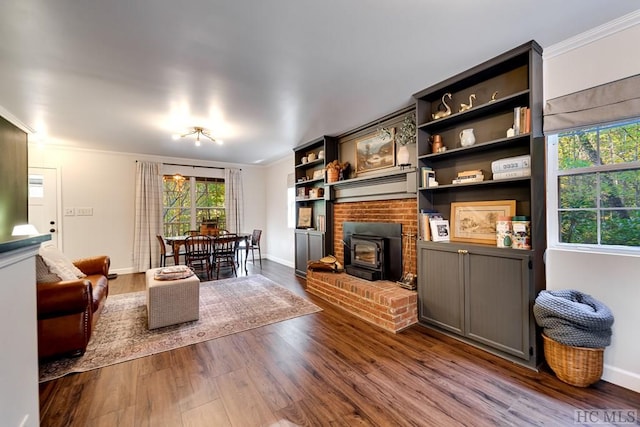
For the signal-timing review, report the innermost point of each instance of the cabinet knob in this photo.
(463, 251)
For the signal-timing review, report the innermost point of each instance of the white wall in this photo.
(612, 279)
(105, 181)
(281, 245)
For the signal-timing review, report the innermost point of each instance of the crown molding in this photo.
(592, 35)
(15, 120)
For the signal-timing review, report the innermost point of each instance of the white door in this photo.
(43, 201)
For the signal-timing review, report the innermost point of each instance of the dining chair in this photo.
(166, 251)
(198, 251)
(255, 245)
(224, 253)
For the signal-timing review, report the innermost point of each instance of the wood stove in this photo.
(373, 250)
(368, 260)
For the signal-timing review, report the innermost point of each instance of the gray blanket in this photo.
(573, 318)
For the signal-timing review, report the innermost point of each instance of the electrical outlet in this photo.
(69, 211)
(84, 211)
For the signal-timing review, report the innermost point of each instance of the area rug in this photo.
(226, 307)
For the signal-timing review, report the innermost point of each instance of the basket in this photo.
(332, 175)
(578, 366)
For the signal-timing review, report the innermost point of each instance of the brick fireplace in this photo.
(382, 302)
(402, 211)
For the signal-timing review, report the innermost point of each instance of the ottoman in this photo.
(170, 302)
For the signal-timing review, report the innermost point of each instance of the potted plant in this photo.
(406, 135)
(334, 169)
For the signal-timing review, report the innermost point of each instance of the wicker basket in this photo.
(578, 366)
(332, 175)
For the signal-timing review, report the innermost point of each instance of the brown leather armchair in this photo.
(68, 310)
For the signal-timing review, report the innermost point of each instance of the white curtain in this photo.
(234, 200)
(148, 215)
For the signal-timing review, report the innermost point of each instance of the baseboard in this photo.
(128, 270)
(279, 260)
(622, 378)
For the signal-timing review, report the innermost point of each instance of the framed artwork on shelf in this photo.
(376, 151)
(440, 230)
(304, 217)
(475, 222)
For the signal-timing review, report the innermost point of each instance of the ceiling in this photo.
(264, 76)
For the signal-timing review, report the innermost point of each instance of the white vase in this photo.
(403, 155)
(467, 138)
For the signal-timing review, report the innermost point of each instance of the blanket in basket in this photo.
(573, 318)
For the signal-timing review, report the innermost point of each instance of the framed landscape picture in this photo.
(475, 222)
(375, 151)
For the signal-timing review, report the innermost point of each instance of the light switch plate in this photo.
(84, 211)
(69, 211)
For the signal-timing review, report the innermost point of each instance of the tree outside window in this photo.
(190, 201)
(598, 185)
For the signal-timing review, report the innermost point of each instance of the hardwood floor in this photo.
(327, 368)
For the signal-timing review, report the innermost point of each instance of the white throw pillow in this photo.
(58, 263)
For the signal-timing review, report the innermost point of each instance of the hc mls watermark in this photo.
(605, 416)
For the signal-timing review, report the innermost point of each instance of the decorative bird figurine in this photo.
(465, 107)
(441, 114)
(493, 96)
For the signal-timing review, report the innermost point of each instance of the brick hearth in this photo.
(382, 303)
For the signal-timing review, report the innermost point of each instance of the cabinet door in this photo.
(497, 300)
(440, 288)
(302, 252)
(316, 246)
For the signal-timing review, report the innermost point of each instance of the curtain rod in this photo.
(192, 166)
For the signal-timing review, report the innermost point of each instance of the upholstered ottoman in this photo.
(170, 302)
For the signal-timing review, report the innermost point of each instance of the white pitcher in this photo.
(467, 138)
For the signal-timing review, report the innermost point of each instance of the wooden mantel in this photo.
(400, 183)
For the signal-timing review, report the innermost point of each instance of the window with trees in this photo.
(190, 201)
(597, 174)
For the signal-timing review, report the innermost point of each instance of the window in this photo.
(596, 172)
(190, 201)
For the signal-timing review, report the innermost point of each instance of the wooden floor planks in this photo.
(327, 368)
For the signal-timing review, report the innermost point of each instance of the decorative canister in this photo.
(521, 226)
(311, 157)
(504, 232)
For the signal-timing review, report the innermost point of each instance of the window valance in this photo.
(609, 102)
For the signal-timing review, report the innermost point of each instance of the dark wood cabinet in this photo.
(314, 235)
(481, 294)
(478, 292)
(310, 245)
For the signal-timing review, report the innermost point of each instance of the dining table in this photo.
(177, 242)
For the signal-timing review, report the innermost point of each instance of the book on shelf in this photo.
(511, 163)
(515, 173)
(427, 176)
(521, 120)
(470, 173)
(424, 223)
(467, 179)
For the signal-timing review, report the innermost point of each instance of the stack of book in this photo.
(521, 120)
(511, 167)
(465, 177)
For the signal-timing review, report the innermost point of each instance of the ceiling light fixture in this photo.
(197, 131)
